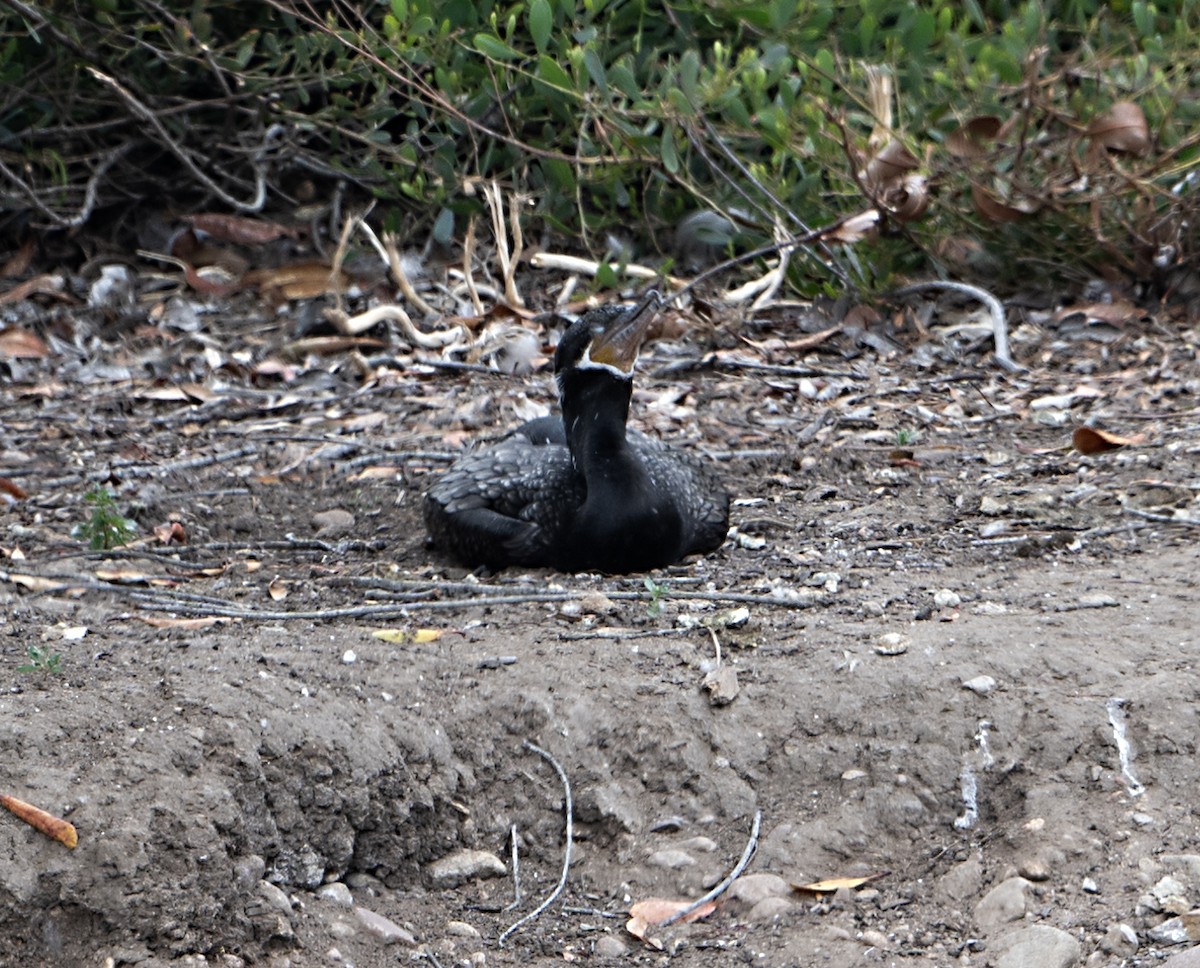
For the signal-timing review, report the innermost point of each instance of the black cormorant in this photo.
(580, 492)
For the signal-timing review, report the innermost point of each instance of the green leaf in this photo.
(443, 227)
(689, 74)
(595, 69)
(400, 10)
(492, 46)
(549, 71)
(541, 23)
(670, 158)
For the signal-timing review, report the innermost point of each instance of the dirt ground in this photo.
(965, 660)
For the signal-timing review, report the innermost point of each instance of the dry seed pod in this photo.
(53, 827)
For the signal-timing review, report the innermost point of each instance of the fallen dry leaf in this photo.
(53, 827)
(278, 590)
(240, 229)
(404, 636)
(1121, 128)
(181, 623)
(991, 208)
(36, 583)
(1092, 440)
(646, 914)
(301, 280)
(172, 532)
(20, 261)
(971, 139)
(49, 284)
(21, 344)
(12, 489)
(833, 884)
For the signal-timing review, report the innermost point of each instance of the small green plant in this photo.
(906, 438)
(107, 527)
(658, 591)
(40, 660)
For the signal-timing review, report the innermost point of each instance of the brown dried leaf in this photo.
(12, 489)
(172, 532)
(239, 229)
(17, 343)
(301, 280)
(970, 140)
(908, 200)
(1122, 128)
(892, 163)
(53, 827)
(278, 590)
(1115, 313)
(991, 208)
(1091, 440)
(655, 910)
(18, 264)
(645, 915)
(49, 284)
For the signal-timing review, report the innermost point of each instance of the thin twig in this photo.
(716, 892)
(568, 810)
(140, 110)
(130, 469)
(1164, 518)
(516, 869)
(994, 308)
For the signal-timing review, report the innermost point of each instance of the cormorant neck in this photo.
(595, 405)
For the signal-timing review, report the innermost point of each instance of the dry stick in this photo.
(568, 810)
(89, 192)
(1164, 518)
(716, 892)
(143, 112)
(149, 470)
(994, 308)
(516, 869)
(468, 257)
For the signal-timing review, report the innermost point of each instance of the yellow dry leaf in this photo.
(837, 883)
(421, 636)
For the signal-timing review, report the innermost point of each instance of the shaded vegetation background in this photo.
(1008, 142)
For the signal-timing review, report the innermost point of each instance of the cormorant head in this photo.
(607, 338)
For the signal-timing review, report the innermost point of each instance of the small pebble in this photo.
(464, 865)
(891, 643)
(722, 686)
(670, 859)
(750, 889)
(944, 598)
(875, 939)
(608, 946)
(337, 892)
(980, 685)
(1003, 903)
(385, 929)
(768, 909)
(460, 929)
(703, 844)
(349, 657)
(1090, 886)
(1120, 940)
(333, 523)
